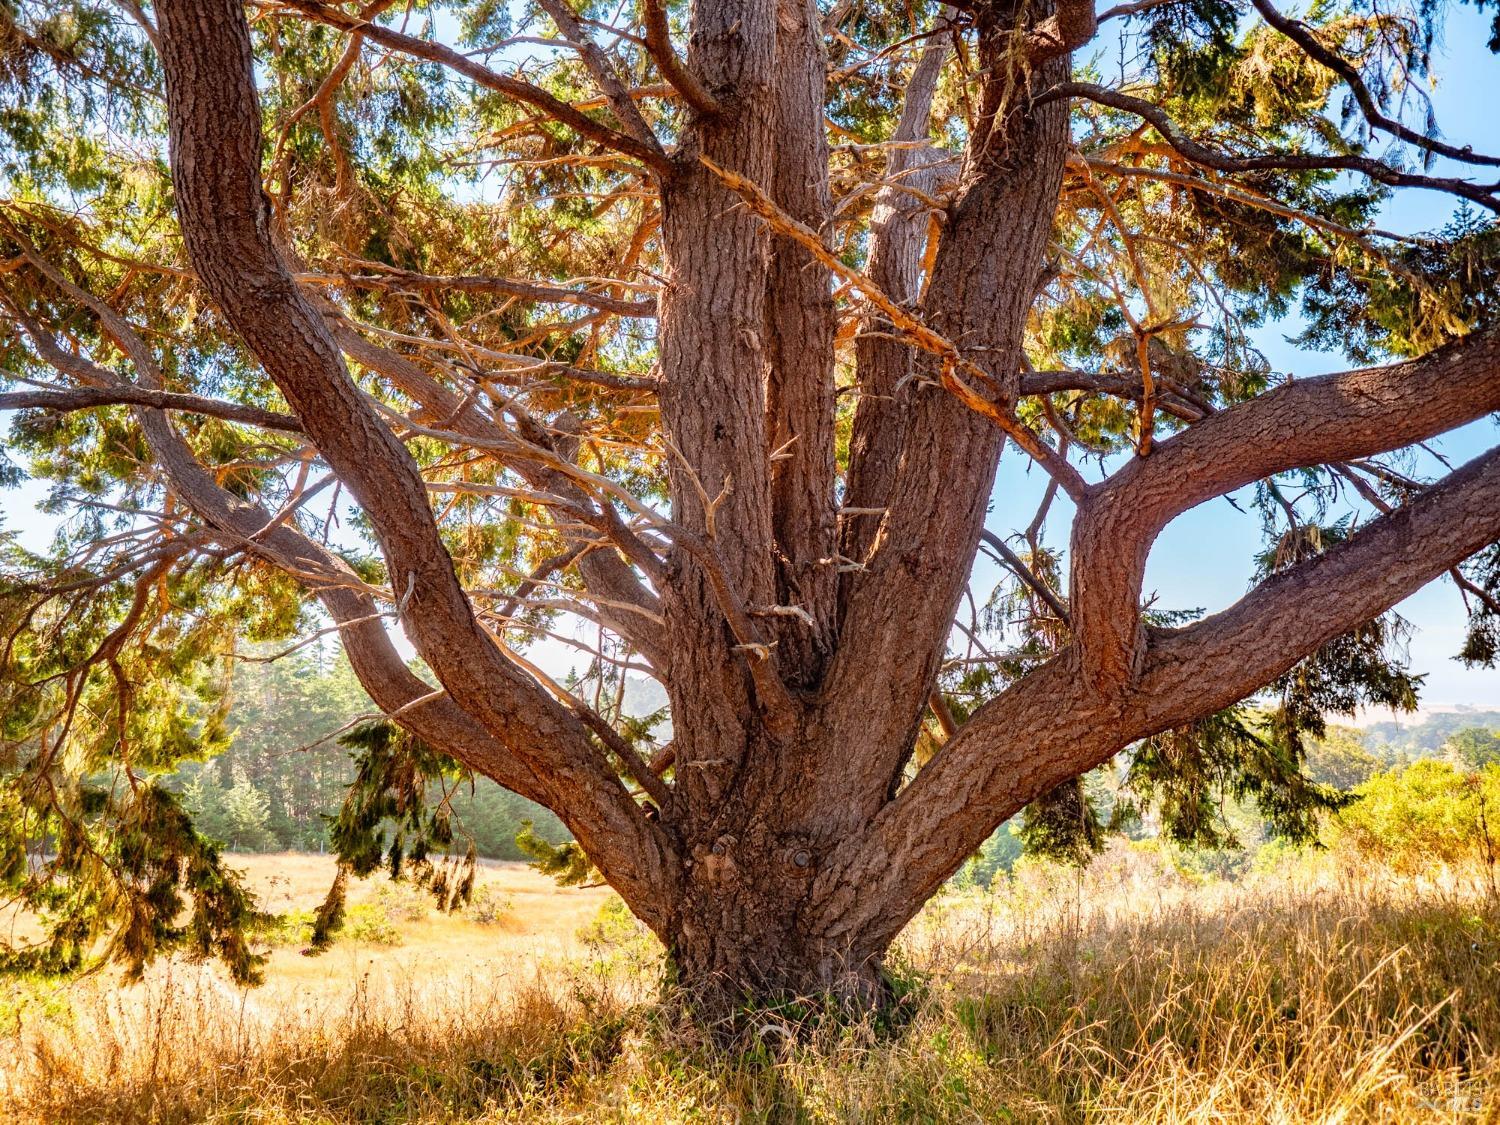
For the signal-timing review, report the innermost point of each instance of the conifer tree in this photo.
(690, 337)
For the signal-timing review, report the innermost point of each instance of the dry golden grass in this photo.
(1133, 994)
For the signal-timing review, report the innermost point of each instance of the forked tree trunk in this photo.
(797, 644)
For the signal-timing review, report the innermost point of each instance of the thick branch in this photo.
(899, 233)
(1051, 726)
(1071, 26)
(1305, 422)
(673, 69)
(901, 606)
(1224, 658)
(713, 354)
(800, 325)
(216, 149)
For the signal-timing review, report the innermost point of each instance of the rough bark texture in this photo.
(798, 646)
(799, 333)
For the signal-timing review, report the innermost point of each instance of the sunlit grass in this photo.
(1132, 993)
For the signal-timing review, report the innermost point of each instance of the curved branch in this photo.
(1120, 384)
(555, 108)
(216, 150)
(1224, 658)
(1330, 418)
(381, 670)
(872, 886)
(1300, 34)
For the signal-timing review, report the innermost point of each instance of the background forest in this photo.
(283, 772)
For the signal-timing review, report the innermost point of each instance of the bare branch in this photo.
(1019, 568)
(87, 399)
(1300, 34)
(604, 72)
(393, 278)
(1482, 194)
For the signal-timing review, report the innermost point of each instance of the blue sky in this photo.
(1204, 559)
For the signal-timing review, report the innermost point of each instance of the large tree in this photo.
(692, 336)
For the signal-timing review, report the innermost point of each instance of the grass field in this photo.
(1133, 993)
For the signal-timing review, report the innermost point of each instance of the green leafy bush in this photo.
(404, 902)
(370, 922)
(1426, 815)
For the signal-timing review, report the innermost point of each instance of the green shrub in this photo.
(294, 927)
(404, 902)
(1426, 815)
(370, 922)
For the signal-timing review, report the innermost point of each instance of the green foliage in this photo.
(1427, 814)
(1482, 642)
(997, 856)
(1339, 759)
(237, 815)
(486, 905)
(395, 775)
(128, 878)
(1425, 738)
(565, 862)
(332, 912)
(371, 922)
(1063, 826)
(1189, 774)
(1363, 667)
(1474, 747)
(280, 715)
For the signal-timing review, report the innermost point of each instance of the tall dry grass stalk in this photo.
(1129, 994)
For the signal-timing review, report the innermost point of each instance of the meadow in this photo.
(1314, 989)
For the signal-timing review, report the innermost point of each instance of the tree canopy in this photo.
(687, 338)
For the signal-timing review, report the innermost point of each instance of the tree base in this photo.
(787, 997)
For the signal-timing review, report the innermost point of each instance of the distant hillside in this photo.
(1423, 735)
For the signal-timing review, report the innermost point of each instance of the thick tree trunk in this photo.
(790, 845)
(739, 940)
